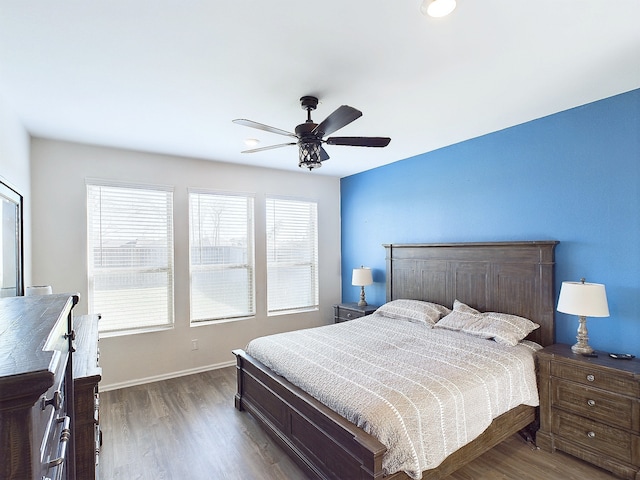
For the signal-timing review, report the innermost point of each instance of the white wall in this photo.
(59, 170)
(14, 170)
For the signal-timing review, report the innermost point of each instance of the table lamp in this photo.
(585, 300)
(361, 277)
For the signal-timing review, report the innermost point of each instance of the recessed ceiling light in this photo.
(437, 8)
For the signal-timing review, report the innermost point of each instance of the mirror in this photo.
(11, 256)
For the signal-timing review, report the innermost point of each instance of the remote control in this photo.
(622, 356)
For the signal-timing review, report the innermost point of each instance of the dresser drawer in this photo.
(49, 414)
(596, 377)
(612, 442)
(613, 409)
(52, 402)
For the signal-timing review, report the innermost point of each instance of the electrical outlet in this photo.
(194, 344)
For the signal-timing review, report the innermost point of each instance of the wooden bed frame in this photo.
(509, 277)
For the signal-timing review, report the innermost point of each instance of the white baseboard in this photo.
(164, 376)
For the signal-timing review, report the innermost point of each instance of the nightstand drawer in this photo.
(343, 312)
(596, 404)
(595, 377)
(599, 437)
(345, 315)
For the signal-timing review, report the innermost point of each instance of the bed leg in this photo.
(528, 434)
(238, 395)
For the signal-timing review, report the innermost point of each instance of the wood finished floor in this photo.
(187, 428)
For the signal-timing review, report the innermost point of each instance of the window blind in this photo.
(292, 255)
(130, 250)
(221, 256)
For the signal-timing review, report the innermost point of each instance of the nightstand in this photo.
(343, 312)
(590, 408)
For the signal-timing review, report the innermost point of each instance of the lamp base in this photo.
(362, 302)
(582, 349)
(582, 346)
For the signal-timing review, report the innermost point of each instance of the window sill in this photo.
(203, 323)
(122, 333)
(293, 312)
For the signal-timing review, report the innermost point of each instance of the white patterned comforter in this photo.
(422, 392)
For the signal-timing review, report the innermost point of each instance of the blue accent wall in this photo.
(573, 176)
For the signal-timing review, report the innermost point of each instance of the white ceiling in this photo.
(168, 76)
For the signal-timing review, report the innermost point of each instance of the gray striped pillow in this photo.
(414, 311)
(502, 327)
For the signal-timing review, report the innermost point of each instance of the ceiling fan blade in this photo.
(323, 155)
(342, 116)
(261, 149)
(261, 126)
(359, 141)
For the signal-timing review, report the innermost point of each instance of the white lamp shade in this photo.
(583, 299)
(361, 277)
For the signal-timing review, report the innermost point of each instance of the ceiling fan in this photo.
(310, 136)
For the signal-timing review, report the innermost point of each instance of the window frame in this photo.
(314, 285)
(168, 322)
(249, 265)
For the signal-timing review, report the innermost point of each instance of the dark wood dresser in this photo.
(344, 312)
(86, 376)
(36, 387)
(590, 408)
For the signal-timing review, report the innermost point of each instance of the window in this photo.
(292, 255)
(221, 256)
(130, 250)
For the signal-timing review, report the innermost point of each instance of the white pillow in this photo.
(413, 311)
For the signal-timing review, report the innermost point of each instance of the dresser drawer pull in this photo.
(65, 434)
(55, 400)
(591, 403)
(591, 434)
(591, 378)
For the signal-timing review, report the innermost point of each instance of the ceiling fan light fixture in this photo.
(309, 155)
(437, 8)
(251, 142)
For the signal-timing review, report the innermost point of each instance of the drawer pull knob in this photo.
(55, 400)
(591, 434)
(591, 403)
(591, 378)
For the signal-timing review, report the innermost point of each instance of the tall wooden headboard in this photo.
(507, 277)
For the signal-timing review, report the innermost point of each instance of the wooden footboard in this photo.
(327, 446)
(319, 440)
